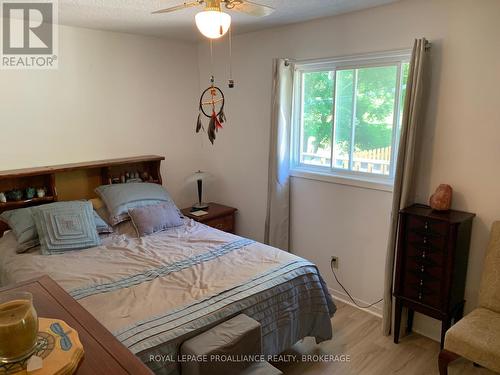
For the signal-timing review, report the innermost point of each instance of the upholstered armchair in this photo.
(476, 337)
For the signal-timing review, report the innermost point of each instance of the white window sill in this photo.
(372, 184)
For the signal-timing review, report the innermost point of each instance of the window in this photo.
(347, 116)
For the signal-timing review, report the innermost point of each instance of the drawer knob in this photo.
(423, 254)
(421, 282)
(426, 225)
(422, 269)
(425, 239)
(420, 296)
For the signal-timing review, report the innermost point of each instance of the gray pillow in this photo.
(101, 225)
(65, 226)
(152, 219)
(119, 198)
(22, 225)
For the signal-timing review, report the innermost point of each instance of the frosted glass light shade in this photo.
(200, 175)
(213, 24)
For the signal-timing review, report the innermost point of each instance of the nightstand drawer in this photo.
(225, 223)
(217, 216)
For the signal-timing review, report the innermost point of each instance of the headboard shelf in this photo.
(74, 181)
(25, 203)
(108, 163)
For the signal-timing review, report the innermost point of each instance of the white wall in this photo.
(460, 135)
(113, 95)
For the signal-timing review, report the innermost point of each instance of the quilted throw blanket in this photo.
(156, 292)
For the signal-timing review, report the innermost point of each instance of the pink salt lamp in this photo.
(441, 199)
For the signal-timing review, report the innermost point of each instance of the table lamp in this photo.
(199, 177)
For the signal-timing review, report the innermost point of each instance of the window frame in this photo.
(332, 173)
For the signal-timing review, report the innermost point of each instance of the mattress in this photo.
(153, 293)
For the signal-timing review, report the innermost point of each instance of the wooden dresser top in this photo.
(104, 354)
(451, 216)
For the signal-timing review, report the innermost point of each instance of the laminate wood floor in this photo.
(358, 335)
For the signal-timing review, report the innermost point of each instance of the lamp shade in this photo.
(213, 23)
(204, 176)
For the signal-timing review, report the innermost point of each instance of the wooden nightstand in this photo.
(104, 354)
(219, 217)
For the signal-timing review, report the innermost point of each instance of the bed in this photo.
(155, 292)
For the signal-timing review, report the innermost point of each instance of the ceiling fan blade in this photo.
(179, 7)
(253, 9)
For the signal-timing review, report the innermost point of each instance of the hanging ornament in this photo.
(212, 100)
(231, 80)
(211, 106)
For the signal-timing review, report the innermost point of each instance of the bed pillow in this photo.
(119, 198)
(156, 218)
(97, 203)
(65, 226)
(101, 225)
(22, 225)
(101, 209)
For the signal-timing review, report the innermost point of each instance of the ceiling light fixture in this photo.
(213, 23)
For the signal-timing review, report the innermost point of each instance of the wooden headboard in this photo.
(74, 181)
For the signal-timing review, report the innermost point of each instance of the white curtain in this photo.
(403, 182)
(277, 231)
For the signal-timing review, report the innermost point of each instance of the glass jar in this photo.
(18, 326)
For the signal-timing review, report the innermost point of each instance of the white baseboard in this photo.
(342, 297)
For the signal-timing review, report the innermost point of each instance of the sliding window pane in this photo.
(344, 95)
(317, 117)
(375, 106)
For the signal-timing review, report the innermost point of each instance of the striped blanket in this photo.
(155, 292)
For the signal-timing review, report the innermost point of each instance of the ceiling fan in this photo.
(212, 21)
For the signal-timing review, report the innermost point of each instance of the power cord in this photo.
(348, 294)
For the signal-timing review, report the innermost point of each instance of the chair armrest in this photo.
(489, 291)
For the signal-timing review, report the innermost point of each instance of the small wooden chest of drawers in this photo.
(219, 217)
(431, 265)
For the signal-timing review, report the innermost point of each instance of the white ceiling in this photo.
(134, 16)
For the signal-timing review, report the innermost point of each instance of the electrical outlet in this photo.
(334, 261)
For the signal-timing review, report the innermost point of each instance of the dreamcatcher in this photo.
(212, 106)
(212, 100)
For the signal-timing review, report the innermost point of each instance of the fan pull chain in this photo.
(212, 79)
(231, 81)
